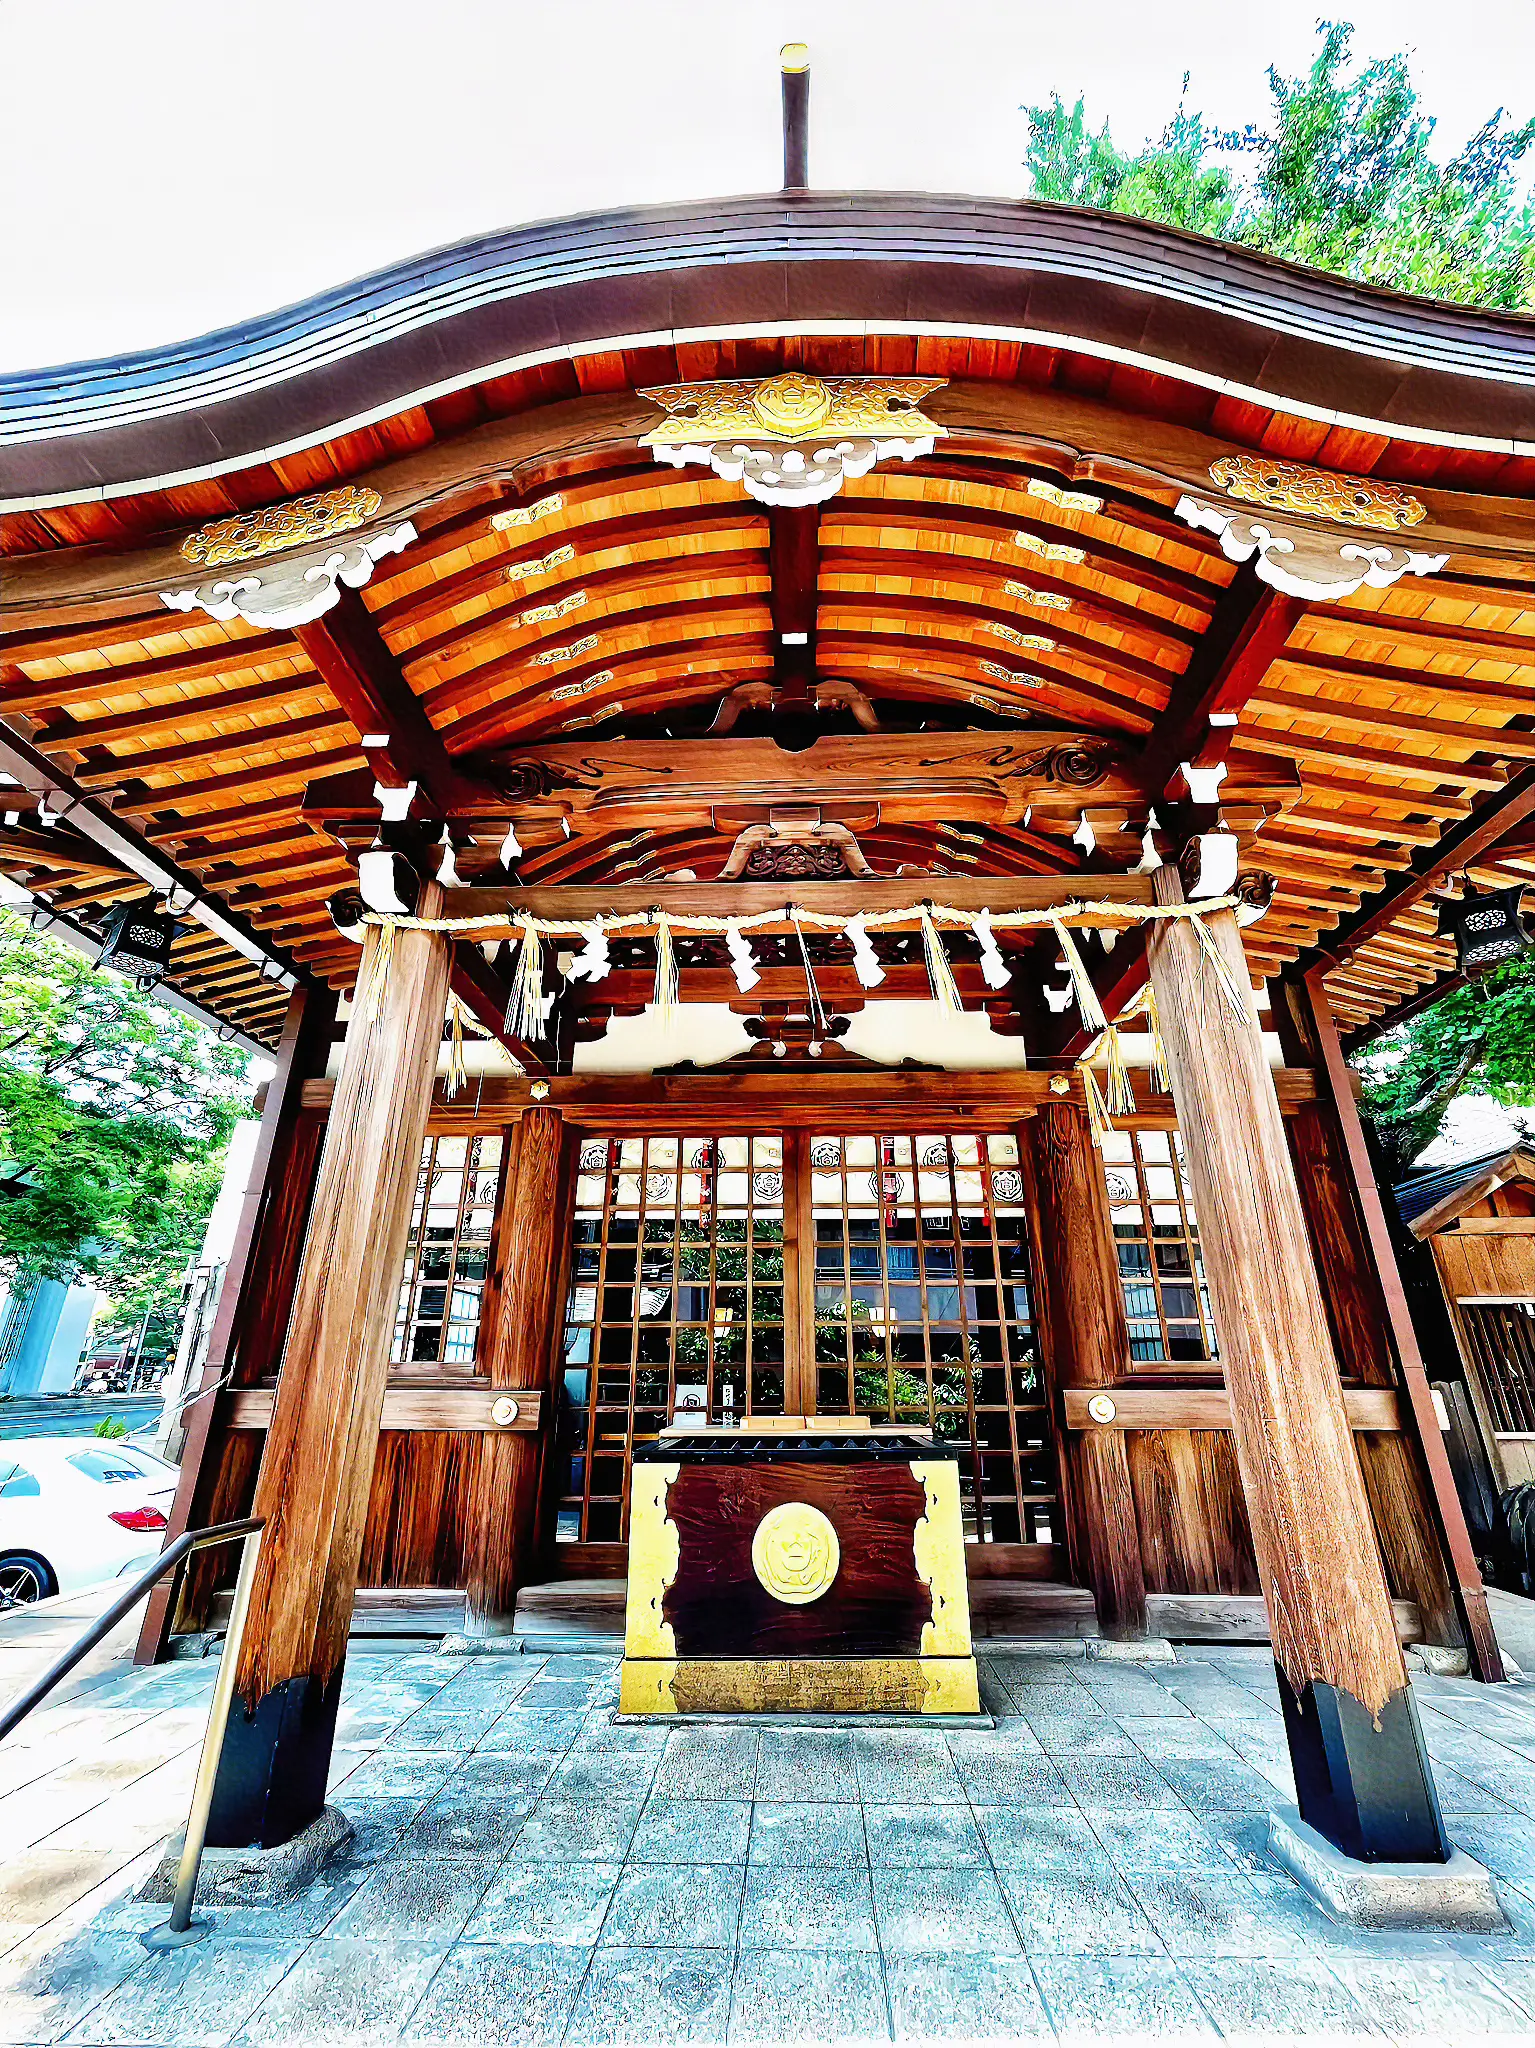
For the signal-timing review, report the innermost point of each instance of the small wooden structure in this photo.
(1477, 1225)
(780, 677)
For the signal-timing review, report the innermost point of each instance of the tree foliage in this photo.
(1478, 1039)
(117, 1112)
(1342, 176)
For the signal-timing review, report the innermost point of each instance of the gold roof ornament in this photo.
(1318, 493)
(793, 439)
(273, 528)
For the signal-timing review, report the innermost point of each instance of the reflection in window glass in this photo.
(923, 1314)
(1156, 1237)
(676, 1306)
(447, 1253)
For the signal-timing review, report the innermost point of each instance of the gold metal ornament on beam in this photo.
(272, 529)
(1318, 493)
(793, 439)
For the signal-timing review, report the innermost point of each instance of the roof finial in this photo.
(795, 60)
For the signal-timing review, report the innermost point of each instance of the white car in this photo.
(75, 1510)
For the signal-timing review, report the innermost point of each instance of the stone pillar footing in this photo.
(1459, 1895)
(253, 1876)
(1130, 1650)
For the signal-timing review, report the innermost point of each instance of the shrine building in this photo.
(808, 793)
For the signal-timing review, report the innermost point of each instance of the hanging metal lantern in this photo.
(138, 943)
(1486, 929)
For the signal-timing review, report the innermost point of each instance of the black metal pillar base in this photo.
(274, 1764)
(1363, 1781)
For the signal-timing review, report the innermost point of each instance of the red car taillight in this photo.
(139, 1519)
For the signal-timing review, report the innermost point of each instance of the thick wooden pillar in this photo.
(524, 1342)
(256, 1288)
(1361, 1770)
(1310, 1014)
(318, 1464)
(1082, 1313)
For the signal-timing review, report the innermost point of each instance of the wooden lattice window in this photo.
(442, 1289)
(923, 1314)
(676, 1306)
(1156, 1237)
(1500, 1334)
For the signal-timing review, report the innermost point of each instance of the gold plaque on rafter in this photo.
(248, 535)
(1318, 493)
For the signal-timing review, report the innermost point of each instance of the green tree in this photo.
(1343, 177)
(1478, 1039)
(117, 1112)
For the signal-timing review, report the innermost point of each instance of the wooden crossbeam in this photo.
(1249, 628)
(363, 676)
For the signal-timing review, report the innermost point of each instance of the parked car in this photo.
(75, 1510)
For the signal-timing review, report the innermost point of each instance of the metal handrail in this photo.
(179, 1928)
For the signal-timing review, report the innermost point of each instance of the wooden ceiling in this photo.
(947, 592)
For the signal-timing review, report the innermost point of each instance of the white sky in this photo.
(169, 166)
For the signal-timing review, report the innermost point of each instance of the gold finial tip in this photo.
(795, 56)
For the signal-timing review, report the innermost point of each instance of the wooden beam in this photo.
(1367, 1408)
(838, 899)
(1361, 1771)
(250, 1292)
(1307, 995)
(95, 822)
(523, 1300)
(794, 558)
(1488, 825)
(1086, 1340)
(363, 676)
(317, 1468)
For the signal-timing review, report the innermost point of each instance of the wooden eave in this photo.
(1401, 712)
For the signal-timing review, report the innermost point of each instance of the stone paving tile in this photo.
(994, 1772)
(639, 1998)
(801, 1907)
(598, 1774)
(1451, 2001)
(982, 1999)
(1040, 1838)
(796, 1995)
(189, 1998)
(923, 1837)
(494, 1992)
(708, 1763)
(794, 1763)
(902, 1764)
(808, 1832)
(420, 1901)
(1078, 1913)
(46, 1985)
(1217, 1913)
(1262, 1999)
(347, 1993)
(675, 1905)
(1156, 1841)
(40, 1883)
(1121, 1999)
(572, 1830)
(465, 1823)
(545, 1902)
(1217, 1785)
(692, 1831)
(942, 1912)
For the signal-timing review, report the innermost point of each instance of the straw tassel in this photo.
(458, 1073)
(369, 996)
(667, 985)
(940, 978)
(526, 1008)
(1120, 1096)
(1238, 997)
(1097, 1115)
(1087, 996)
